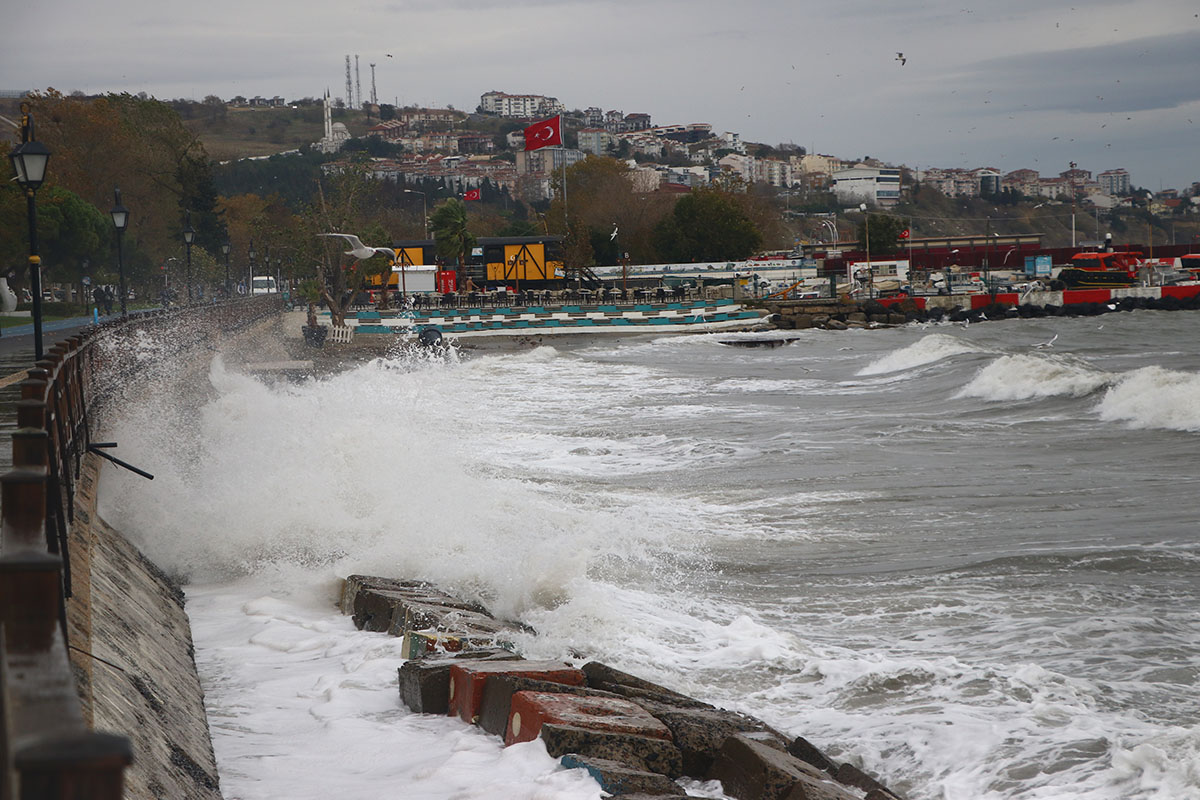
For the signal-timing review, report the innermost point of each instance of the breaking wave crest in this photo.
(1153, 397)
(1025, 377)
(929, 350)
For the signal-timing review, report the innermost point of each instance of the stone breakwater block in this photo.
(752, 770)
(425, 683)
(805, 750)
(420, 644)
(532, 710)
(621, 779)
(408, 615)
(606, 678)
(498, 691)
(355, 585)
(853, 776)
(700, 732)
(639, 752)
(467, 681)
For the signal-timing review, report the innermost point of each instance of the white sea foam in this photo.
(1025, 377)
(1153, 397)
(928, 350)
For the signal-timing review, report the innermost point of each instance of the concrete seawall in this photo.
(131, 650)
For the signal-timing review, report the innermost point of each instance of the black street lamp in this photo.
(29, 161)
(250, 270)
(120, 218)
(189, 235)
(225, 249)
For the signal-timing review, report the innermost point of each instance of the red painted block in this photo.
(1072, 296)
(1182, 292)
(531, 710)
(467, 681)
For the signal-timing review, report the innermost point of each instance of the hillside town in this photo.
(440, 144)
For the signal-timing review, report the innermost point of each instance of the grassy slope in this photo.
(241, 132)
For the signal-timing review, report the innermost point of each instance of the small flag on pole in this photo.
(904, 233)
(544, 134)
(471, 194)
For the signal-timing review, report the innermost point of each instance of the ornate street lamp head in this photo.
(189, 233)
(29, 161)
(225, 247)
(120, 214)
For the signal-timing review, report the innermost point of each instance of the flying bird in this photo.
(360, 250)
(900, 57)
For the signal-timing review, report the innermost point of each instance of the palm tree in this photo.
(449, 225)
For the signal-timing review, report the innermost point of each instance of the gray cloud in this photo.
(1127, 76)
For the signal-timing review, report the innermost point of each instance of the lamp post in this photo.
(225, 247)
(250, 270)
(29, 161)
(867, 235)
(278, 273)
(189, 235)
(266, 268)
(120, 218)
(424, 212)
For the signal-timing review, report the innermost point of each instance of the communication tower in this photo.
(349, 85)
(357, 84)
(374, 97)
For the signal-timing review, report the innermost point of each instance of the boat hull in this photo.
(1075, 278)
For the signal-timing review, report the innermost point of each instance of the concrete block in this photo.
(752, 770)
(425, 683)
(602, 676)
(621, 779)
(699, 733)
(805, 750)
(467, 681)
(640, 752)
(851, 775)
(531, 710)
(499, 689)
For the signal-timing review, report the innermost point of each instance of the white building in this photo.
(1114, 181)
(520, 106)
(875, 185)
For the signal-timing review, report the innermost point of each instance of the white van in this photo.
(264, 284)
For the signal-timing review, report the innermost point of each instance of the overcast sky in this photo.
(1002, 83)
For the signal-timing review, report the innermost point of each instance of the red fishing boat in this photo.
(1105, 270)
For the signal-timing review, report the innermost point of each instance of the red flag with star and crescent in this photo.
(471, 194)
(904, 233)
(544, 134)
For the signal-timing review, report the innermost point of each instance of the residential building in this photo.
(774, 171)
(875, 185)
(1114, 181)
(520, 106)
(546, 160)
(597, 141)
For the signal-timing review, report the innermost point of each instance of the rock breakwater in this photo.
(636, 738)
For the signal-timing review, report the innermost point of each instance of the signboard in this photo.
(1038, 266)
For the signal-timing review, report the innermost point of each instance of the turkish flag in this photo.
(904, 233)
(471, 194)
(544, 133)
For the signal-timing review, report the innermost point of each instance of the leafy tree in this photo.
(884, 233)
(449, 226)
(707, 225)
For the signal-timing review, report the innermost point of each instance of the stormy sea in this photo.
(964, 559)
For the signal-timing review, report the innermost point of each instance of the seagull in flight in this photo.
(900, 57)
(360, 250)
